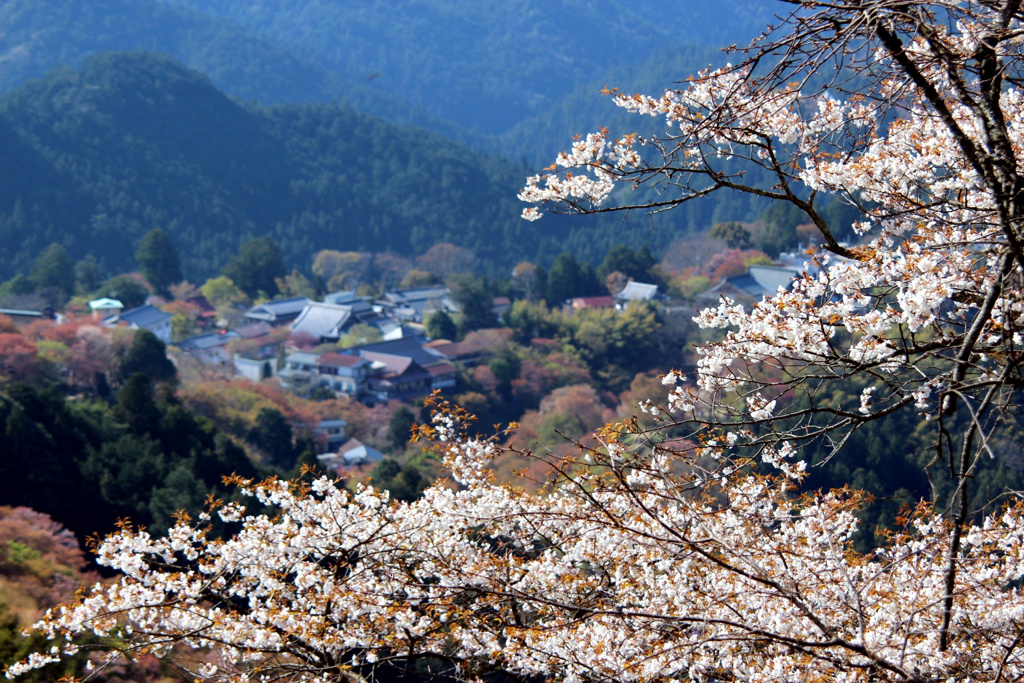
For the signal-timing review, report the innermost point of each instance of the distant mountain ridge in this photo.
(469, 71)
(37, 35)
(487, 64)
(95, 157)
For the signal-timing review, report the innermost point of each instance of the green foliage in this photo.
(476, 300)
(733, 234)
(569, 278)
(136, 405)
(294, 285)
(53, 267)
(19, 553)
(182, 490)
(360, 333)
(687, 287)
(19, 284)
(528, 320)
(147, 355)
(149, 142)
(776, 238)
(403, 481)
(125, 289)
(221, 291)
(88, 274)
(892, 458)
(257, 267)
(272, 434)
(441, 326)
(15, 647)
(491, 60)
(400, 428)
(86, 464)
(159, 260)
(634, 264)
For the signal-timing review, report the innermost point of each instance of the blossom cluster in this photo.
(638, 576)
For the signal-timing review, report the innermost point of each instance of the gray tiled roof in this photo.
(637, 291)
(411, 347)
(207, 341)
(324, 321)
(274, 310)
(770, 278)
(143, 316)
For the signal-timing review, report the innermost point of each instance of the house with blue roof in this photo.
(146, 317)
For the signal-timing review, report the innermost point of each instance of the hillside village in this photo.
(379, 350)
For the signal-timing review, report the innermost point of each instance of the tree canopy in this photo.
(159, 260)
(257, 267)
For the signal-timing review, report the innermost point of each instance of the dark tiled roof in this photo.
(143, 316)
(283, 308)
(207, 341)
(410, 347)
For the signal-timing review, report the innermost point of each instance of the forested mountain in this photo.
(462, 69)
(584, 110)
(486, 64)
(94, 158)
(40, 34)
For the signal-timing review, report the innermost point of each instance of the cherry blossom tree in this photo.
(686, 550)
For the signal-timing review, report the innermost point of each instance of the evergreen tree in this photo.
(256, 267)
(400, 428)
(476, 300)
(273, 435)
(147, 355)
(635, 264)
(441, 326)
(53, 267)
(732, 233)
(405, 483)
(88, 274)
(136, 405)
(125, 289)
(568, 278)
(159, 260)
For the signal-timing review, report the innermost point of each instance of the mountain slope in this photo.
(135, 141)
(40, 34)
(487, 64)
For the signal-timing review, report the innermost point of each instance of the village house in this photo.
(750, 286)
(146, 317)
(416, 305)
(279, 312)
(105, 307)
(342, 373)
(209, 348)
(635, 291)
(395, 378)
(299, 374)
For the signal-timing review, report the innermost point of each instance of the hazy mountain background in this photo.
(392, 125)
